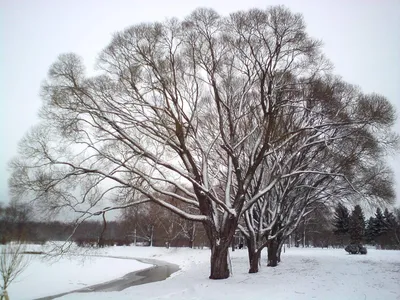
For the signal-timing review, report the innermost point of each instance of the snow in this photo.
(44, 277)
(307, 273)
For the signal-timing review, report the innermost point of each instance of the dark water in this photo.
(160, 271)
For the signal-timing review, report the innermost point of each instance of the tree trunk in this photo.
(280, 244)
(4, 296)
(254, 256)
(101, 242)
(151, 235)
(278, 254)
(220, 239)
(272, 253)
(255, 262)
(192, 236)
(219, 262)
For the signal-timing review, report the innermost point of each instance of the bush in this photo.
(86, 242)
(355, 249)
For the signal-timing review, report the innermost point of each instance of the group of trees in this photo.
(382, 229)
(350, 227)
(152, 224)
(17, 223)
(147, 224)
(14, 222)
(233, 122)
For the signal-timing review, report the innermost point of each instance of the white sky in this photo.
(361, 38)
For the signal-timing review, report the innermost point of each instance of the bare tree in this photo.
(12, 264)
(323, 164)
(180, 110)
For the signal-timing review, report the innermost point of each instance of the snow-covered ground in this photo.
(303, 274)
(44, 278)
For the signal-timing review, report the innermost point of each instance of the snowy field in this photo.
(303, 274)
(44, 278)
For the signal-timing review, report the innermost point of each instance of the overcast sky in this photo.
(361, 38)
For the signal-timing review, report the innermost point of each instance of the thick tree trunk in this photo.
(255, 262)
(254, 256)
(219, 262)
(220, 239)
(272, 253)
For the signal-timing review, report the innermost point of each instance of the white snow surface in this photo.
(44, 277)
(308, 273)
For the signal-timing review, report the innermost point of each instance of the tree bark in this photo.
(220, 237)
(254, 256)
(255, 262)
(280, 243)
(278, 254)
(220, 241)
(273, 253)
(219, 262)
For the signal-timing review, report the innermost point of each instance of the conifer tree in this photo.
(341, 222)
(370, 231)
(390, 224)
(357, 225)
(379, 226)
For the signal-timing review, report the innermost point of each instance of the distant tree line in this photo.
(382, 229)
(17, 224)
(146, 225)
(341, 226)
(152, 225)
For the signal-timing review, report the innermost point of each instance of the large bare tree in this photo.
(180, 109)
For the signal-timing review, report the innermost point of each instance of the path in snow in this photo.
(160, 270)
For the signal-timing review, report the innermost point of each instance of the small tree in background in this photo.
(357, 225)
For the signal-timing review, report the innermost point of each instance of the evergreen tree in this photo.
(390, 225)
(341, 222)
(379, 227)
(357, 225)
(370, 231)
(397, 229)
(389, 220)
